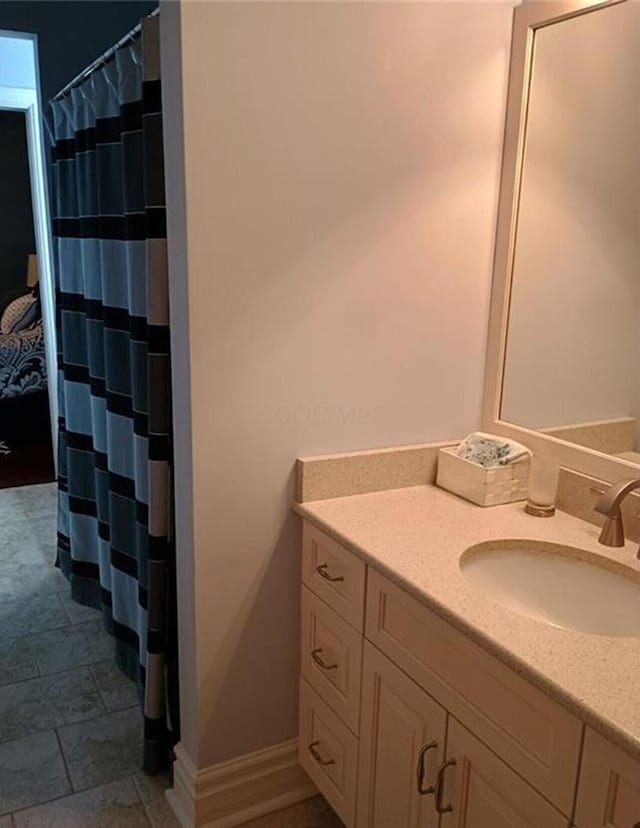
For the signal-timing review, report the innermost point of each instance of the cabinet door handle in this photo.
(440, 808)
(421, 768)
(323, 573)
(315, 655)
(313, 750)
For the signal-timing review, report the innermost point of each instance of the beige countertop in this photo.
(416, 535)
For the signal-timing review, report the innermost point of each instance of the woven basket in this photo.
(486, 487)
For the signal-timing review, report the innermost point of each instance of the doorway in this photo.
(28, 398)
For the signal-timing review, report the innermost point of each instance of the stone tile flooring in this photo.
(70, 723)
(315, 813)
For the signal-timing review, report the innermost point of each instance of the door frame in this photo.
(19, 99)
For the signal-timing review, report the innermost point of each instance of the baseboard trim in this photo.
(234, 792)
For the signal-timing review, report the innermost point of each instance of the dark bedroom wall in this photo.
(16, 216)
(71, 33)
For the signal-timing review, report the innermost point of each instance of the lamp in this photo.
(32, 270)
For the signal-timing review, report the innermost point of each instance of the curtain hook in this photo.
(134, 57)
(105, 75)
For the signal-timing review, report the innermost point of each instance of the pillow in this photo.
(20, 314)
(31, 316)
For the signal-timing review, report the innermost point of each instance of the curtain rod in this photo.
(104, 58)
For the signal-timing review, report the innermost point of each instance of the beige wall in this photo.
(573, 346)
(340, 184)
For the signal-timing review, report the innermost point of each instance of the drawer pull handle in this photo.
(440, 808)
(315, 655)
(313, 750)
(322, 572)
(421, 768)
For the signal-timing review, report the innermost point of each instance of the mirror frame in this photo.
(528, 18)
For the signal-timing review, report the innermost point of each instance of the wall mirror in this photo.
(564, 357)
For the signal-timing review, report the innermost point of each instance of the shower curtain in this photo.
(113, 328)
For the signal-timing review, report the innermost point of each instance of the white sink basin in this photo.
(559, 585)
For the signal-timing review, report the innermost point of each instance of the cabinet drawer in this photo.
(328, 752)
(609, 787)
(482, 792)
(533, 734)
(334, 574)
(331, 658)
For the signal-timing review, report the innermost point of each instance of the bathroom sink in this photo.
(558, 585)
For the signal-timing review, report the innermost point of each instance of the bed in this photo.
(22, 363)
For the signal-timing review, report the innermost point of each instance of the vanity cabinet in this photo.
(405, 722)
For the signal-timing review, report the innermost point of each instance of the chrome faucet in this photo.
(609, 505)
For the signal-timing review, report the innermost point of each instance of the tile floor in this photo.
(315, 813)
(70, 724)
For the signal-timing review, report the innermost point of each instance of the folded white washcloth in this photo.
(490, 451)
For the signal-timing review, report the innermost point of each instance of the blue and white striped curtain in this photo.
(114, 375)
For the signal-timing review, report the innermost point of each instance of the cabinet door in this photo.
(609, 789)
(401, 745)
(480, 791)
(531, 732)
